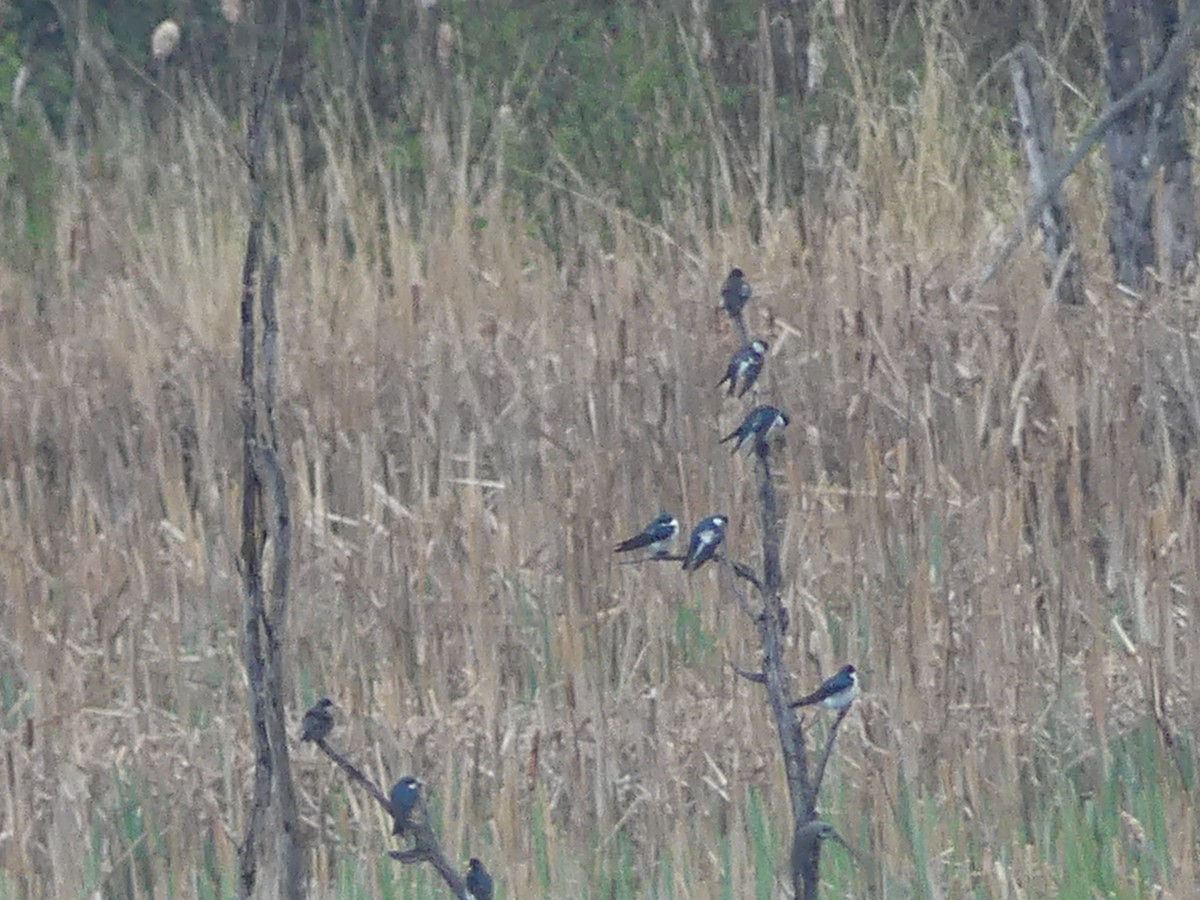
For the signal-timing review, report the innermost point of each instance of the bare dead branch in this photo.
(1159, 83)
(743, 571)
(666, 557)
(356, 775)
(756, 677)
(425, 844)
(427, 850)
(263, 628)
(1037, 127)
(824, 759)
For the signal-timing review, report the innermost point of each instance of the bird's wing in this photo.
(637, 541)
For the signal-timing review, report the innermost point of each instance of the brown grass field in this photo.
(991, 509)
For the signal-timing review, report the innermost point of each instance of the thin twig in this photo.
(666, 557)
(356, 775)
(743, 571)
(815, 787)
(756, 677)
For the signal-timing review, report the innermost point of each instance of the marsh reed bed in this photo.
(992, 511)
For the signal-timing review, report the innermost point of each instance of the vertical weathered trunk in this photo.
(1037, 129)
(1130, 154)
(1177, 215)
(788, 27)
(270, 863)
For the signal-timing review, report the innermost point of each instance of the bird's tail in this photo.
(728, 437)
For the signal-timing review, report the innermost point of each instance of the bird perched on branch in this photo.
(405, 797)
(745, 365)
(318, 721)
(735, 293)
(837, 692)
(759, 423)
(706, 537)
(479, 882)
(656, 537)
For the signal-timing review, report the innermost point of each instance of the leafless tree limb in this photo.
(1157, 83)
(426, 848)
(265, 516)
(824, 759)
(743, 571)
(756, 677)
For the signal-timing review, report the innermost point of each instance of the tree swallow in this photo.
(655, 537)
(318, 722)
(759, 423)
(746, 365)
(837, 692)
(706, 537)
(479, 882)
(405, 796)
(735, 293)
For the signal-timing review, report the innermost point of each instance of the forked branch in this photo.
(426, 848)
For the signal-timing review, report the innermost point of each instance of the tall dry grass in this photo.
(991, 510)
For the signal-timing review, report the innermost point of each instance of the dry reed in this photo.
(991, 511)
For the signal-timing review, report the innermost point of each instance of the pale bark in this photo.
(1037, 129)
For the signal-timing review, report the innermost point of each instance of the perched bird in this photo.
(837, 692)
(759, 423)
(405, 796)
(479, 882)
(735, 293)
(745, 365)
(655, 537)
(318, 721)
(706, 537)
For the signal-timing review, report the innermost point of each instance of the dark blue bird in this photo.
(745, 366)
(759, 423)
(318, 721)
(735, 293)
(655, 537)
(837, 692)
(706, 537)
(479, 882)
(405, 797)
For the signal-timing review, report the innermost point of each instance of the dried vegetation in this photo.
(992, 510)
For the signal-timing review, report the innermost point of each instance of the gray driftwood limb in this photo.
(1177, 233)
(1157, 83)
(272, 825)
(1036, 113)
(1131, 143)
